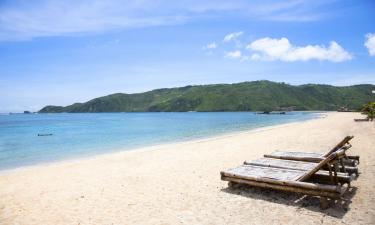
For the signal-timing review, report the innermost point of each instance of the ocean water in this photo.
(86, 134)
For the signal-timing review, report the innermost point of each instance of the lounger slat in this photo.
(249, 171)
(284, 164)
(337, 193)
(298, 154)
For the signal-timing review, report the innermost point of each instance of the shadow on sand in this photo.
(336, 208)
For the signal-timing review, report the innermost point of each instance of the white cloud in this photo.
(281, 49)
(234, 54)
(255, 56)
(20, 20)
(232, 36)
(370, 43)
(212, 45)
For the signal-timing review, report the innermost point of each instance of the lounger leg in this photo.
(232, 184)
(342, 166)
(330, 173)
(324, 203)
(354, 158)
(335, 173)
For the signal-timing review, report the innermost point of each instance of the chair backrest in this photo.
(333, 156)
(339, 145)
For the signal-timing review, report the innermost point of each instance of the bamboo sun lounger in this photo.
(322, 175)
(292, 180)
(349, 172)
(349, 161)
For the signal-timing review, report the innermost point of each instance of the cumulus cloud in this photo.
(281, 49)
(370, 43)
(234, 54)
(232, 36)
(212, 45)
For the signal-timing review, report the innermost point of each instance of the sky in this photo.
(58, 52)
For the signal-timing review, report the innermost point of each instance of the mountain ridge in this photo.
(260, 95)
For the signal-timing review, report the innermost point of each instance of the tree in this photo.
(369, 110)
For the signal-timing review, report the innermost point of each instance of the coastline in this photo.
(177, 143)
(180, 182)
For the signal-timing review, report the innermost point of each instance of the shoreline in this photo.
(180, 183)
(154, 147)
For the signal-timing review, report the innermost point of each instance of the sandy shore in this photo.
(180, 183)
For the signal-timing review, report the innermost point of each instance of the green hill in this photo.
(246, 96)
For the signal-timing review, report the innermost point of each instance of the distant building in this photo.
(345, 109)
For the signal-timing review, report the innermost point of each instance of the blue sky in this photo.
(61, 52)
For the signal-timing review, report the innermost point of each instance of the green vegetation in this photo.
(369, 110)
(246, 96)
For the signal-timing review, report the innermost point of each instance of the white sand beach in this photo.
(180, 183)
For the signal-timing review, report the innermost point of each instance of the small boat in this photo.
(271, 112)
(45, 134)
(264, 112)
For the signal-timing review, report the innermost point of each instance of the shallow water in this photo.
(84, 134)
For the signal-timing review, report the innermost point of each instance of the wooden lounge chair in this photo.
(350, 161)
(292, 180)
(348, 172)
(322, 175)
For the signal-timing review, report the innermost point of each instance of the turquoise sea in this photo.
(84, 134)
